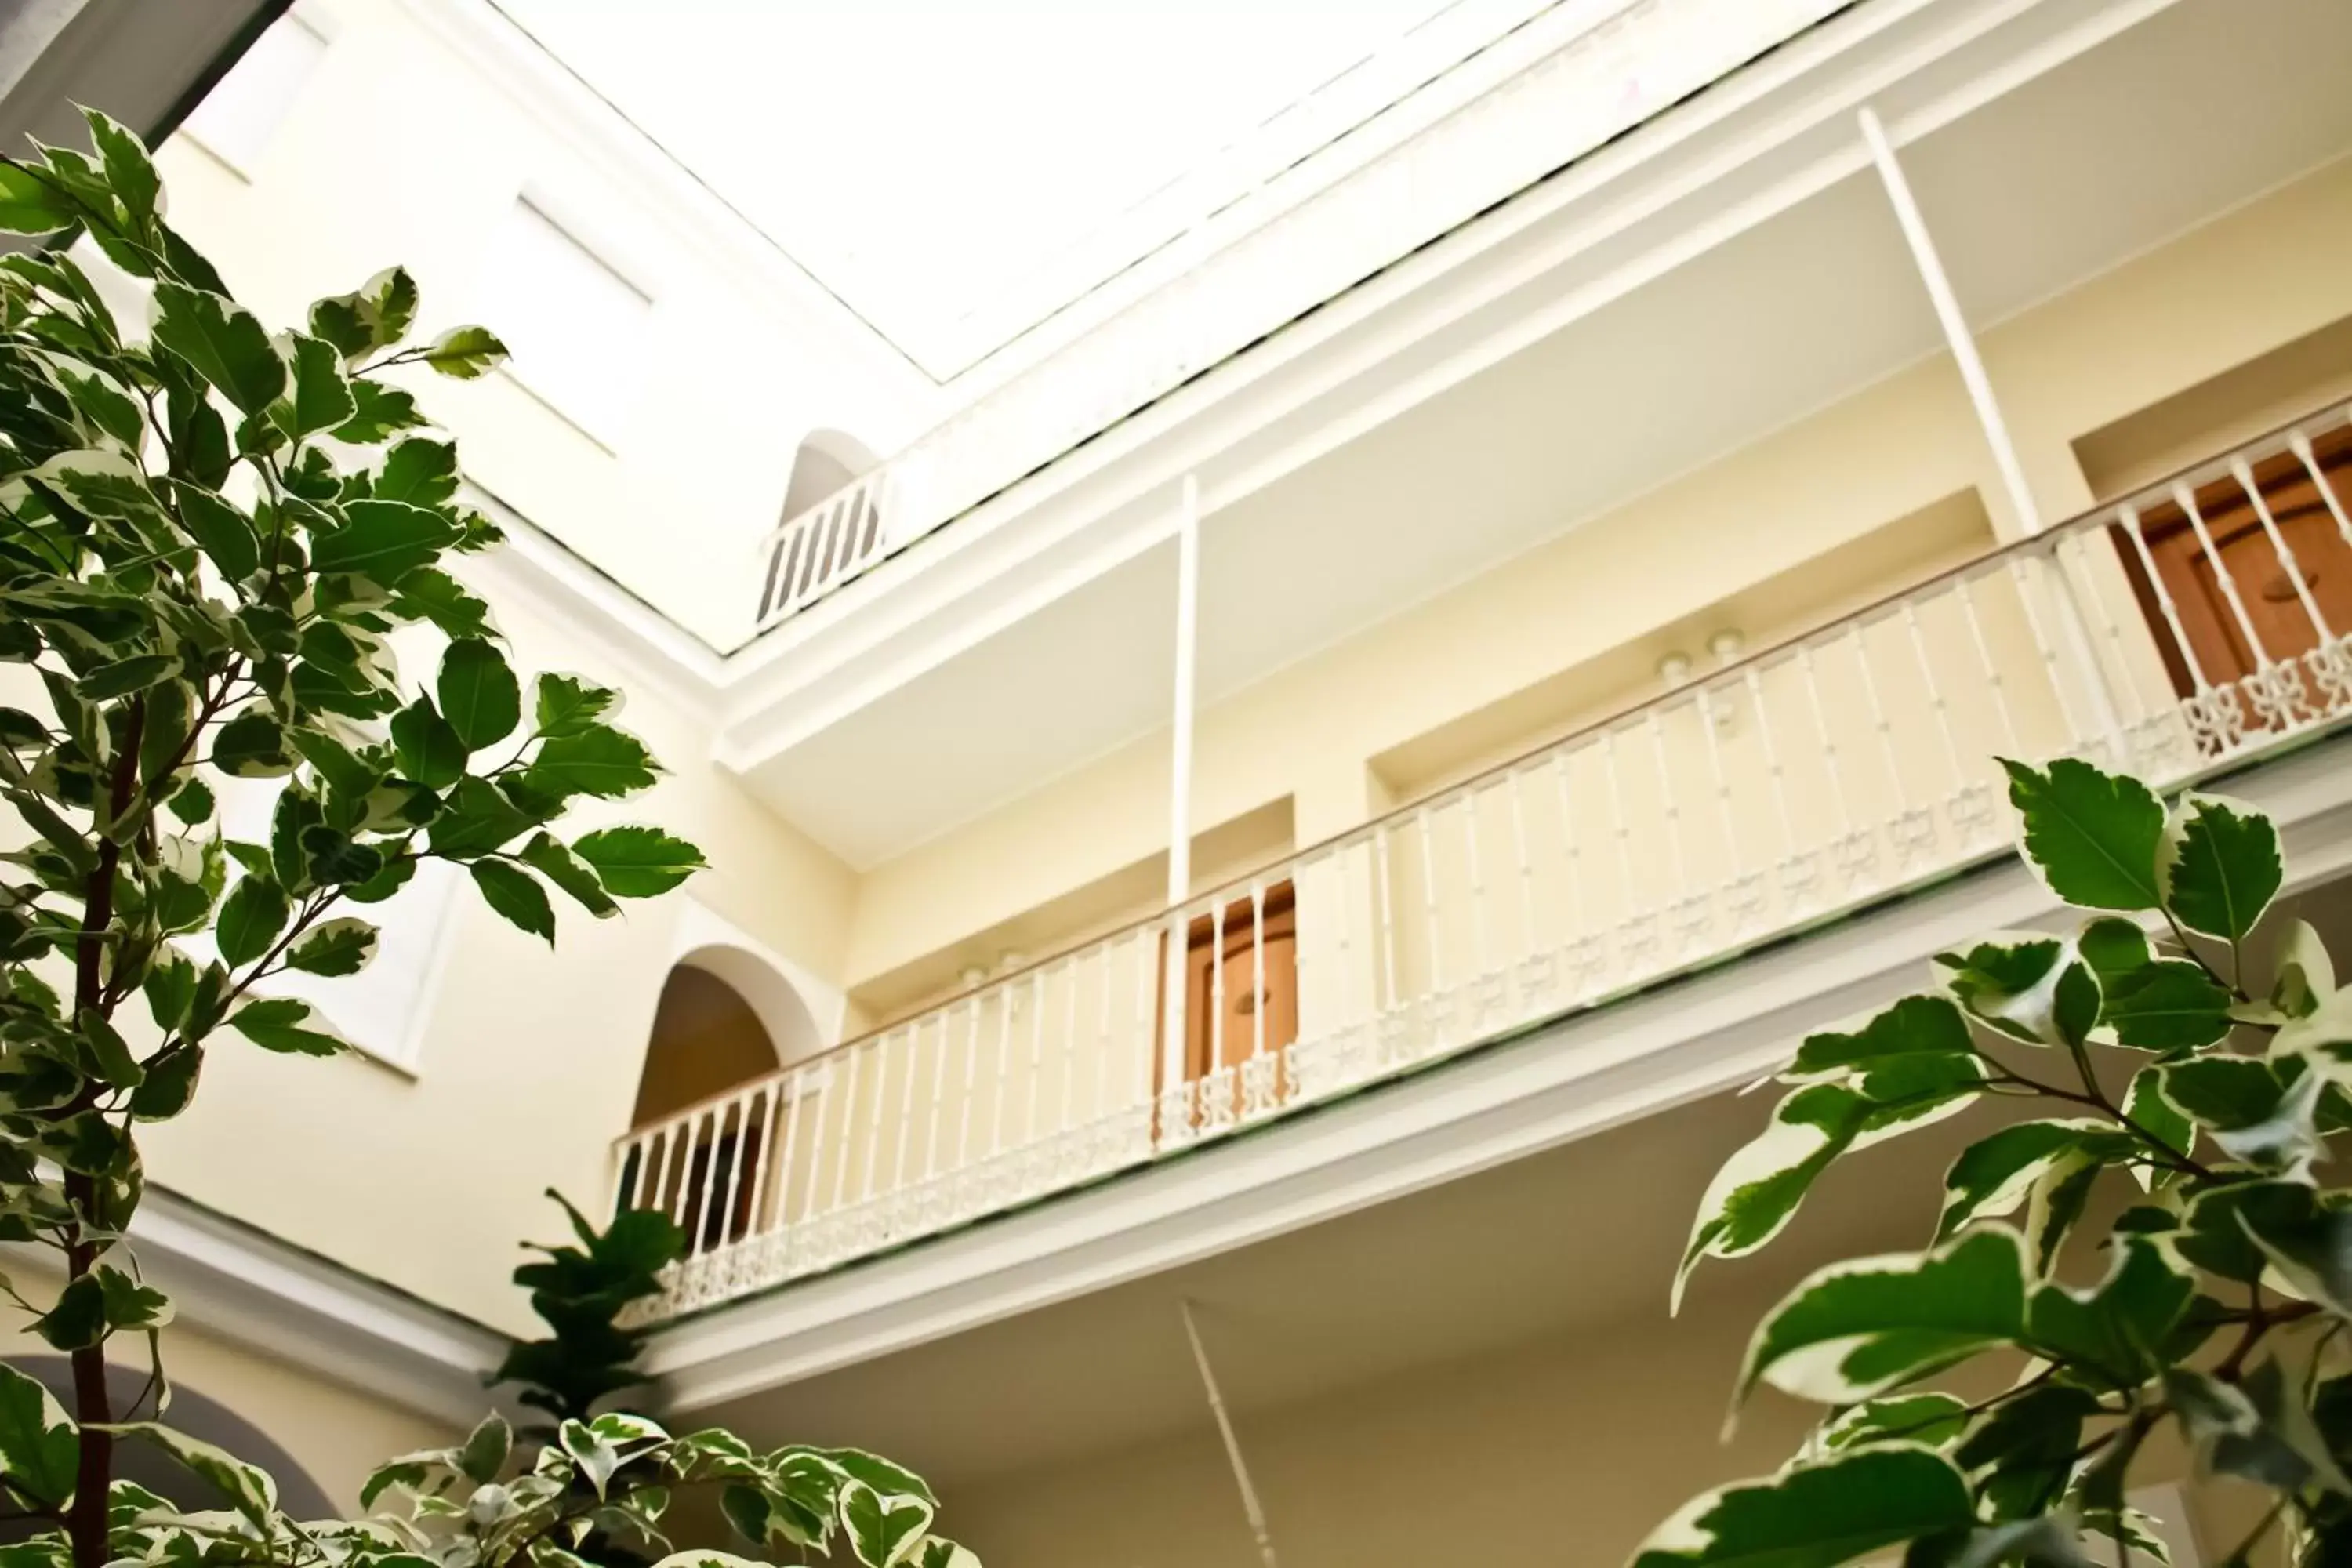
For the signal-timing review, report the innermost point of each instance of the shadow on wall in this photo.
(707, 1038)
(725, 1019)
(827, 461)
(193, 1413)
(839, 530)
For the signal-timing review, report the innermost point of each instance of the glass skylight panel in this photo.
(576, 326)
(955, 173)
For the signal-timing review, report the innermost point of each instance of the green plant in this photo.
(581, 1291)
(2204, 1108)
(208, 536)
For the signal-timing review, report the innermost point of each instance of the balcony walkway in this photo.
(2201, 623)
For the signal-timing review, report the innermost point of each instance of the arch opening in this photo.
(835, 536)
(132, 1398)
(726, 1021)
(826, 462)
(707, 1039)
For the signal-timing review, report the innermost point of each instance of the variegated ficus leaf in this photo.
(2140, 1233)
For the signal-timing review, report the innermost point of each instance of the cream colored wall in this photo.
(1312, 730)
(531, 1058)
(2241, 286)
(1627, 585)
(398, 149)
(1566, 1452)
(337, 1433)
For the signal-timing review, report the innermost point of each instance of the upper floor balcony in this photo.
(2196, 624)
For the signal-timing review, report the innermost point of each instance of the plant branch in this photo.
(2187, 1163)
(2259, 1320)
(2227, 983)
(321, 902)
(87, 1525)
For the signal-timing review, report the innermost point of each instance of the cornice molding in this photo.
(641, 645)
(293, 1306)
(602, 138)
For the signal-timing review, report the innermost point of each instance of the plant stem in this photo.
(321, 902)
(2230, 982)
(216, 697)
(2175, 1159)
(1970, 1413)
(94, 1472)
(97, 892)
(2259, 1320)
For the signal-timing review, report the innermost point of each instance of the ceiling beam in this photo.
(146, 65)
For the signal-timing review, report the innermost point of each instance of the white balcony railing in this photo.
(2197, 624)
(831, 542)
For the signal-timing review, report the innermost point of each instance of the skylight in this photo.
(955, 173)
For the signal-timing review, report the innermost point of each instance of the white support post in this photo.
(1180, 782)
(1963, 346)
(1957, 336)
(1188, 638)
(1252, 1510)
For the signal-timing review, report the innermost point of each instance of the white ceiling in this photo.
(1052, 691)
(955, 172)
(1523, 1253)
(2065, 177)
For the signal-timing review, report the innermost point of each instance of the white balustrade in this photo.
(833, 541)
(1803, 780)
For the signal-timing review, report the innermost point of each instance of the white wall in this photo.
(411, 142)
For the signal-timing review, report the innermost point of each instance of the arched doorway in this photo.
(828, 462)
(133, 1396)
(840, 529)
(725, 1021)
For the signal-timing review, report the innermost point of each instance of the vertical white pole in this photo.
(1180, 766)
(1252, 1510)
(1956, 327)
(1988, 409)
(1180, 781)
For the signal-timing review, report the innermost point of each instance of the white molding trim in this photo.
(1750, 147)
(1599, 1069)
(701, 928)
(483, 36)
(292, 1306)
(647, 649)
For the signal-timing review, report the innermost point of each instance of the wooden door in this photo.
(2269, 610)
(1241, 991)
